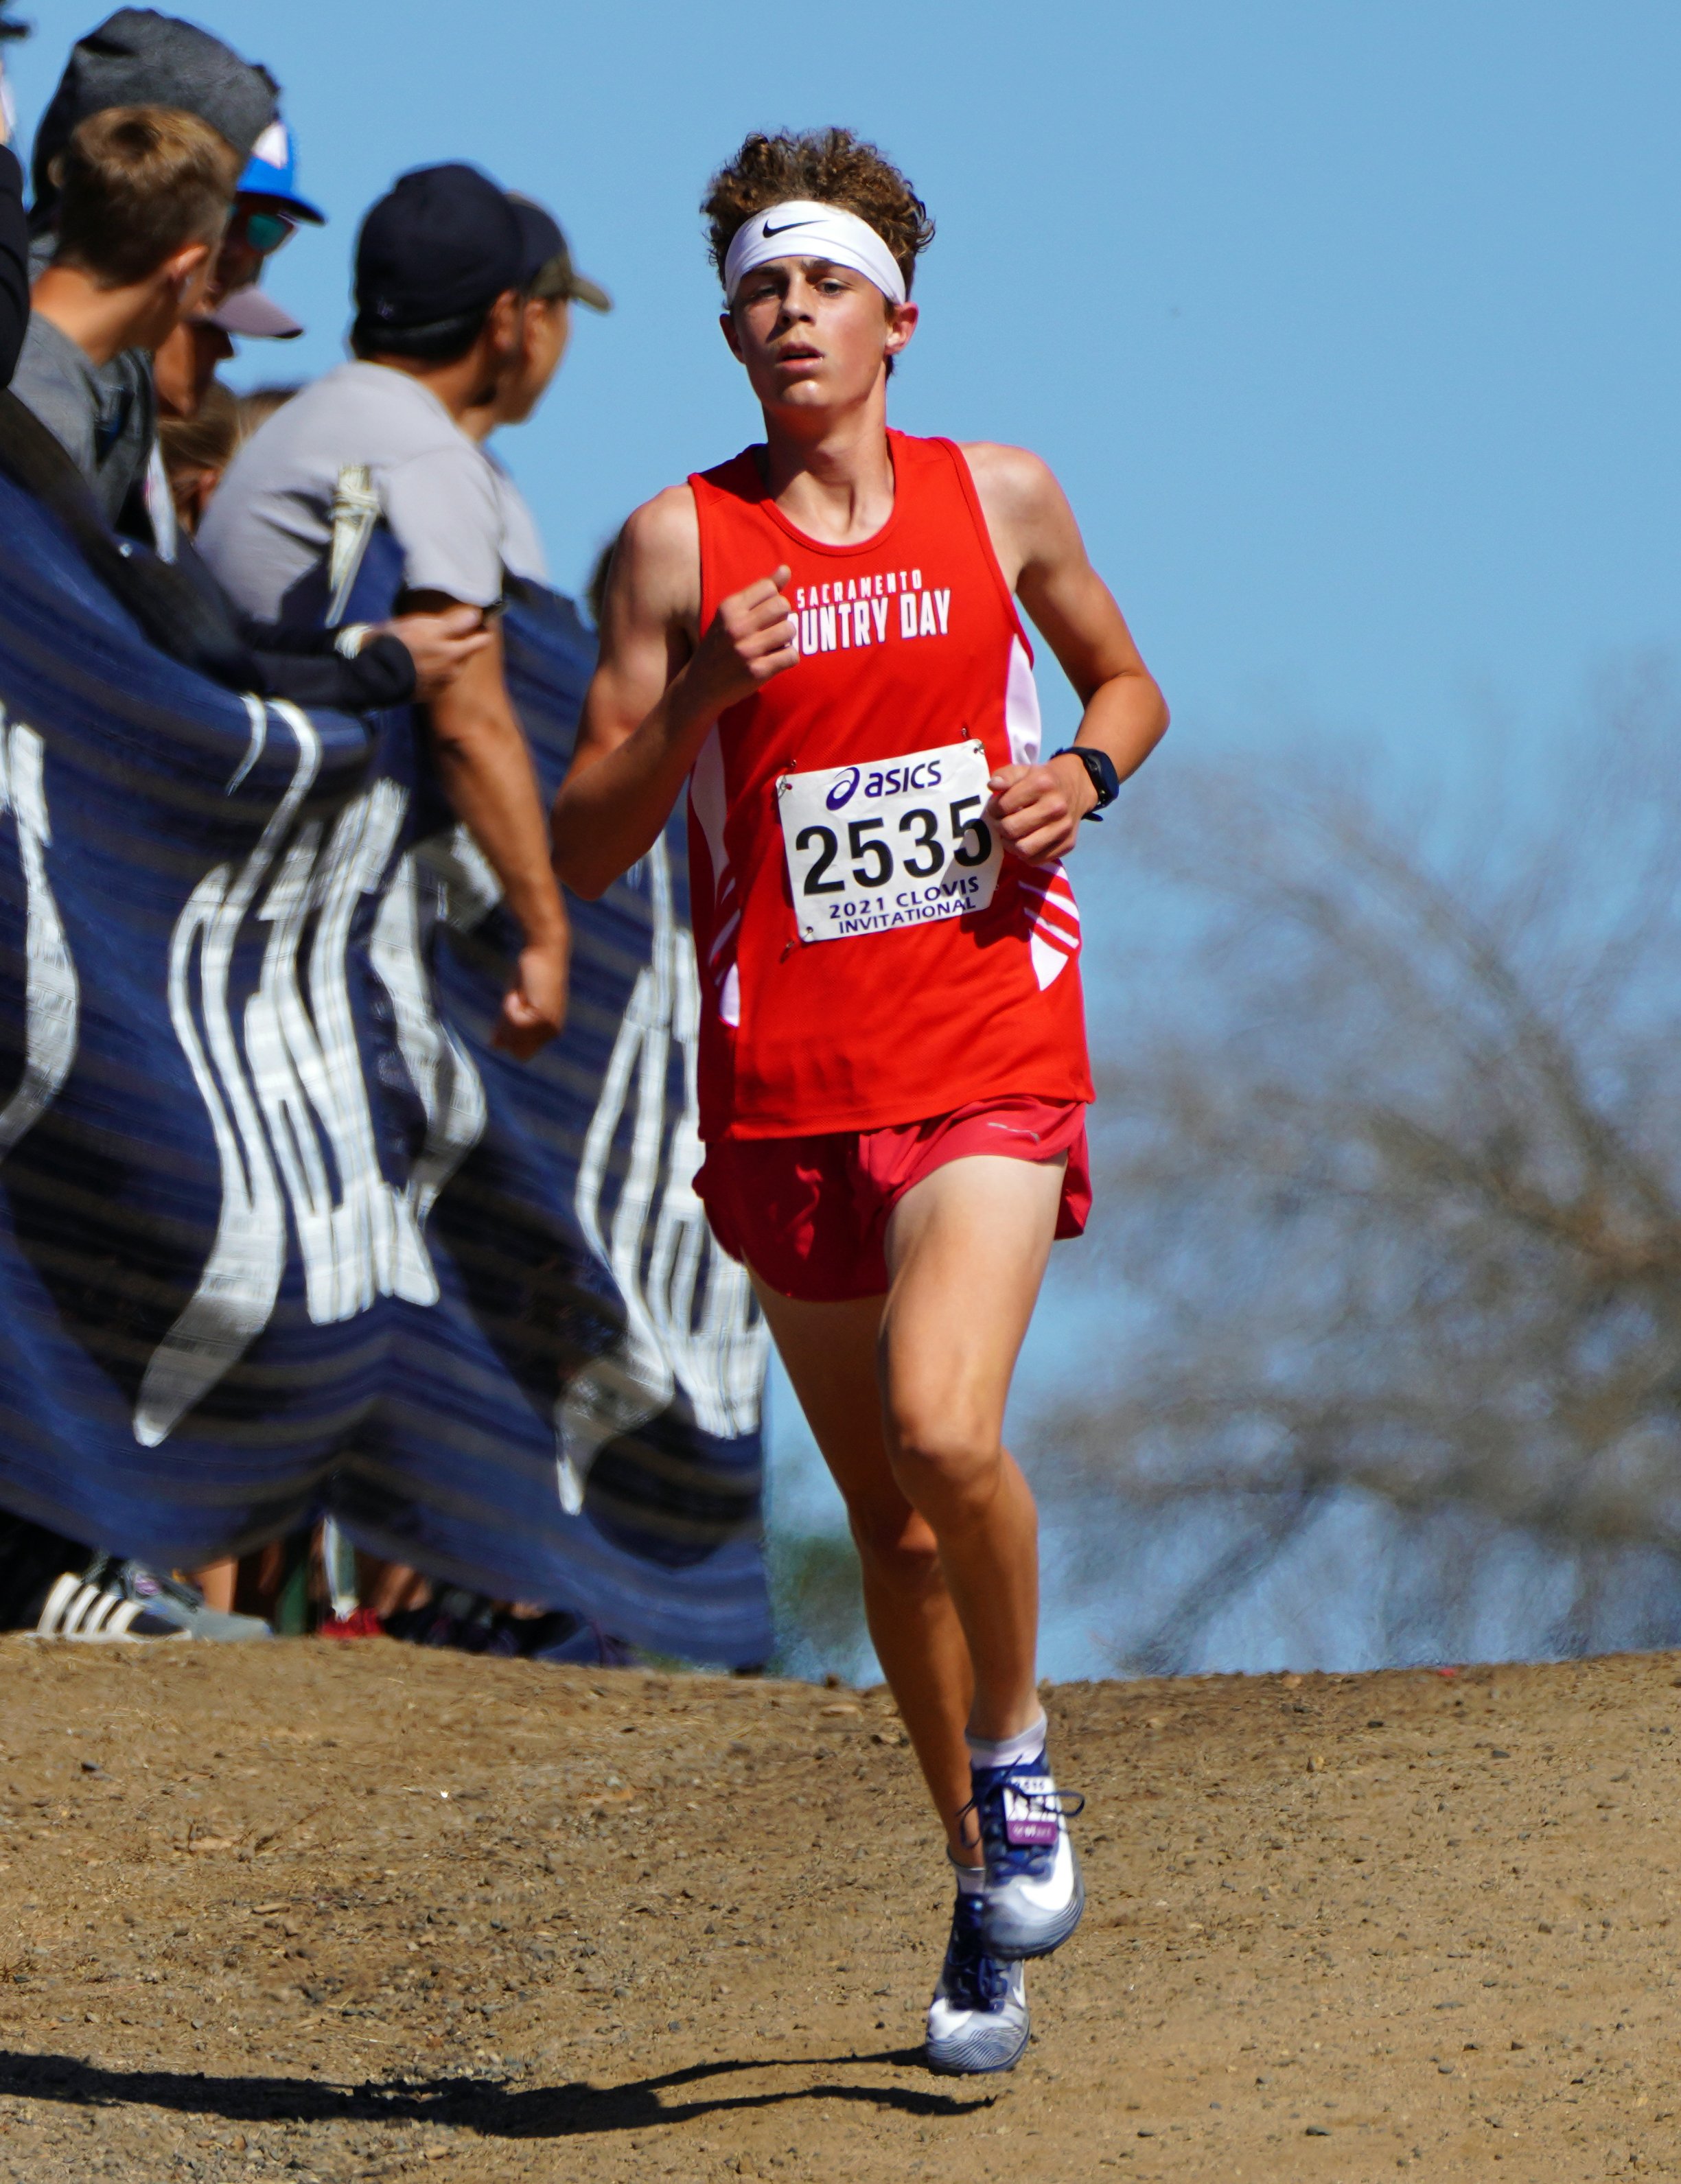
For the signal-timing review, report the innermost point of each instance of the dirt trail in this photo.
(361, 1911)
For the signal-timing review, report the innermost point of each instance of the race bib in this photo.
(871, 848)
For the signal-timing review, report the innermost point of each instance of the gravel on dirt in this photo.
(316, 1911)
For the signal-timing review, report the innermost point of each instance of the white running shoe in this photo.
(1034, 1894)
(977, 2019)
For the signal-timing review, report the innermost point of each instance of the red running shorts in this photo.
(810, 1215)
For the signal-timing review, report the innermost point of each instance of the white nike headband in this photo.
(802, 228)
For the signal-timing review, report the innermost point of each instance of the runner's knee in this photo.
(896, 1547)
(944, 1454)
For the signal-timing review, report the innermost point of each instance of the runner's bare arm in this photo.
(1044, 562)
(658, 688)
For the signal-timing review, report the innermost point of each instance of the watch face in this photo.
(1099, 772)
(1105, 779)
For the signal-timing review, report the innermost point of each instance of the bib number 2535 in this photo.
(871, 848)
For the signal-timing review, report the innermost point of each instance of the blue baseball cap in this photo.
(271, 171)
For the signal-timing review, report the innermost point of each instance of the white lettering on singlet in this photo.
(853, 616)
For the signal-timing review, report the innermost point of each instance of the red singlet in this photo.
(910, 643)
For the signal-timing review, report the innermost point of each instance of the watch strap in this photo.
(1099, 772)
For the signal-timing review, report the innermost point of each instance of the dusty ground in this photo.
(360, 1911)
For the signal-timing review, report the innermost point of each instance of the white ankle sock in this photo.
(971, 1880)
(1009, 1750)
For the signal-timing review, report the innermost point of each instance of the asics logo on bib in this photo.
(893, 606)
(883, 781)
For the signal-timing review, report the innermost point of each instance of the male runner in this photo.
(820, 639)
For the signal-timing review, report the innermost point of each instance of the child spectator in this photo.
(258, 405)
(196, 450)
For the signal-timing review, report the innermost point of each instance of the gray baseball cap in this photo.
(547, 269)
(139, 58)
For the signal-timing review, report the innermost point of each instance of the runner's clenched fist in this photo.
(752, 638)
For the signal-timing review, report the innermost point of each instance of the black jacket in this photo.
(304, 665)
(183, 610)
(13, 264)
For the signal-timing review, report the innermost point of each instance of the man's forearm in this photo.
(487, 774)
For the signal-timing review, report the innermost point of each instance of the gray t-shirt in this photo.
(271, 519)
(103, 416)
(522, 554)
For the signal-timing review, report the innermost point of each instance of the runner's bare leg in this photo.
(967, 1251)
(830, 1352)
(907, 1400)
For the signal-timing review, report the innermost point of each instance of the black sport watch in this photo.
(1100, 768)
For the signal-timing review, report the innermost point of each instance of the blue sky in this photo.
(1352, 330)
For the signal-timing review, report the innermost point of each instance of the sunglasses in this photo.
(259, 230)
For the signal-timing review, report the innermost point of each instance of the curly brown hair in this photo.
(832, 166)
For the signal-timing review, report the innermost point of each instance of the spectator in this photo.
(257, 404)
(595, 590)
(196, 450)
(443, 275)
(267, 210)
(553, 288)
(145, 197)
(138, 58)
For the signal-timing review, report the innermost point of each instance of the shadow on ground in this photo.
(490, 2107)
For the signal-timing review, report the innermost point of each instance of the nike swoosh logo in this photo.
(767, 231)
(1056, 1890)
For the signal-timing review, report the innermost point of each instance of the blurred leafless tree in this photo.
(1390, 1160)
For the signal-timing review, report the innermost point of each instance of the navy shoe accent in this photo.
(1034, 1893)
(977, 2020)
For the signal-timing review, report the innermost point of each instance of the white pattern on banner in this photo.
(293, 1109)
(443, 1073)
(690, 1321)
(52, 995)
(241, 1278)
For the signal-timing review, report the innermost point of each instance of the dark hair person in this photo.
(446, 330)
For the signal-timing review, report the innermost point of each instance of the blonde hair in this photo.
(138, 183)
(258, 405)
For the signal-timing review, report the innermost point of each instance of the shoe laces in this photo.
(1005, 1860)
(973, 1979)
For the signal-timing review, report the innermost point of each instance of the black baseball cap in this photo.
(546, 267)
(443, 243)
